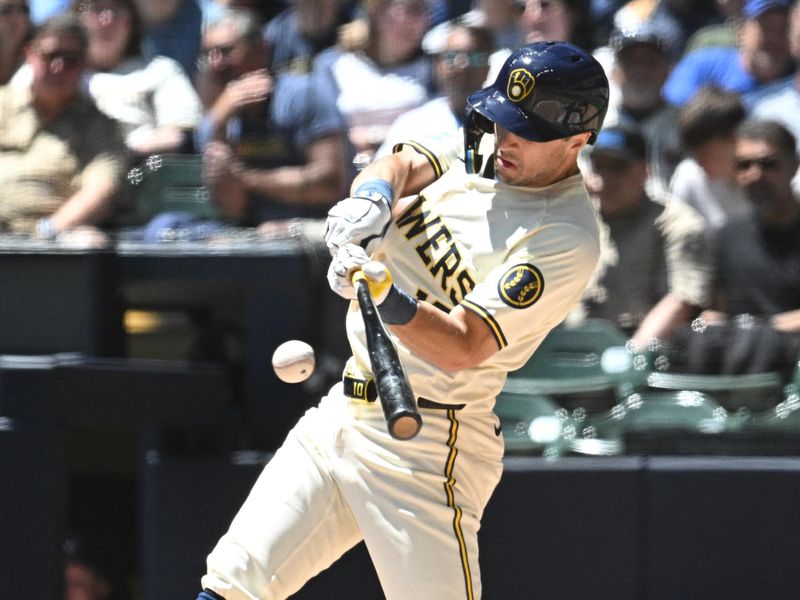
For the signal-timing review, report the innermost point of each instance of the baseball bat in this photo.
(394, 390)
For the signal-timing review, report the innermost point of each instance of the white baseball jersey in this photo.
(519, 259)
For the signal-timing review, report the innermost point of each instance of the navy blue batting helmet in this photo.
(545, 91)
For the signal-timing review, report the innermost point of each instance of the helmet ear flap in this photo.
(475, 126)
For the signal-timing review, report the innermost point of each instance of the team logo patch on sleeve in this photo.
(521, 286)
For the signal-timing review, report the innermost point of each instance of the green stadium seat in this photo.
(171, 183)
(586, 365)
(673, 410)
(530, 423)
(755, 392)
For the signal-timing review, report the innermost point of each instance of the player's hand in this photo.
(359, 219)
(378, 278)
(346, 260)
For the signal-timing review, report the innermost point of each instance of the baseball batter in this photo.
(470, 270)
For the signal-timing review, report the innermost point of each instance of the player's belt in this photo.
(366, 391)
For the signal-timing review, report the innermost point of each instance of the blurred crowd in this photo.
(695, 173)
(281, 102)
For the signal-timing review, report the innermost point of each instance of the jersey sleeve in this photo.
(535, 288)
(440, 153)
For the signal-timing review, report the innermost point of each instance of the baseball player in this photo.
(470, 270)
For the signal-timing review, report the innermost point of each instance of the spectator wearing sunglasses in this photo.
(706, 178)
(754, 324)
(61, 160)
(460, 67)
(274, 146)
(15, 29)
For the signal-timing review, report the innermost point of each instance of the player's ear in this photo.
(578, 141)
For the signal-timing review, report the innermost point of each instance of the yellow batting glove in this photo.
(378, 278)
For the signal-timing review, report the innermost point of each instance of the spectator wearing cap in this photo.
(653, 274)
(780, 101)
(461, 66)
(706, 178)
(642, 59)
(760, 57)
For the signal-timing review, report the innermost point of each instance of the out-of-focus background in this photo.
(165, 171)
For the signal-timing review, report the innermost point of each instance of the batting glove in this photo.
(346, 260)
(363, 217)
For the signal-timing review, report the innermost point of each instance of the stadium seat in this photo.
(586, 365)
(170, 183)
(756, 392)
(530, 423)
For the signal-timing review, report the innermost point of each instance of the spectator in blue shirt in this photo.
(762, 56)
(274, 146)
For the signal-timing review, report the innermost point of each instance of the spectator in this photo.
(61, 160)
(780, 101)
(501, 17)
(547, 20)
(567, 20)
(754, 324)
(706, 179)
(641, 65)
(15, 28)
(303, 30)
(171, 28)
(663, 14)
(153, 99)
(274, 147)
(380, 70)
(718, 34)
(87, 573)
(762, 56)
(654, 272)
(461, 67)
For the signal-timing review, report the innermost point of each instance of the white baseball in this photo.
(293, 361)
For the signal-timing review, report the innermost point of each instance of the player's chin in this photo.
(506, 171)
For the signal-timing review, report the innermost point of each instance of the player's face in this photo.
(534, 164)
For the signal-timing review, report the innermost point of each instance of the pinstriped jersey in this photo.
(519, 258)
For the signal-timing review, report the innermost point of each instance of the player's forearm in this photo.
(452, 342)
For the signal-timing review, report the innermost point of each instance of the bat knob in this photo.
(405, 427)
